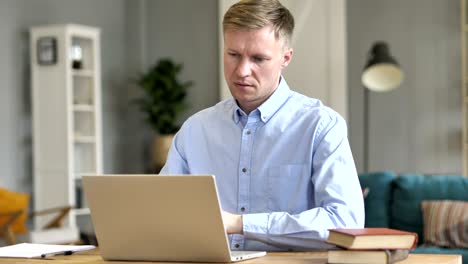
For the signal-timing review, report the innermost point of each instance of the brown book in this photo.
(367, 256)
(372, 238)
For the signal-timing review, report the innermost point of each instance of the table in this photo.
(93, 257)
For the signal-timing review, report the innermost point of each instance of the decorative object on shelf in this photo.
(163, 101)
(47, 51)
(76, 54)
(381, 74)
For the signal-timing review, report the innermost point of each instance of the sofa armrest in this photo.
(377, 201)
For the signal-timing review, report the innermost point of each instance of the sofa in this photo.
(395, 201)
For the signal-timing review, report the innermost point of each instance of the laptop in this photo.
(159, 218)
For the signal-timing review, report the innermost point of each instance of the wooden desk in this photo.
(92, 257)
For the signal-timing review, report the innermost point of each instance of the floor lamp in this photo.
(381, 74)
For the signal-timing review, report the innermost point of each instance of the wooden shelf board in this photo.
(82, 73)
(84, 139)
(83, 108)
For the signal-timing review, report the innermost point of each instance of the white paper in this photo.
(31, 250)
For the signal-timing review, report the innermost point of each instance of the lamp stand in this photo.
(366, 130)
(381, 74)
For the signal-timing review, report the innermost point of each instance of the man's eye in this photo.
(258, 59)
(233, 54)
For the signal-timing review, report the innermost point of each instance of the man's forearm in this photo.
(303, 231)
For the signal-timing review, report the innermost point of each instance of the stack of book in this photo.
(370, 245)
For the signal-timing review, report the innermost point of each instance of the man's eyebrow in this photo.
(260, 55)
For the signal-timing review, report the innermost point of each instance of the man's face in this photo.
(253, 60)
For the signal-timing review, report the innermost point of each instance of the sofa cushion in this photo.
(411, 189)
(445, 223)
(377, 199)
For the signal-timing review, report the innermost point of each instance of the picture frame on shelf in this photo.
(47, 51)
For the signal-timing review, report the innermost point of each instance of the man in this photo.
(283, 165)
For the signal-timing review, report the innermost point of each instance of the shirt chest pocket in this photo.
(289, 188)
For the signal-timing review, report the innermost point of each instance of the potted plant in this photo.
(162, 103)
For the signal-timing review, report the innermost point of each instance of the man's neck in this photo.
(249, 108)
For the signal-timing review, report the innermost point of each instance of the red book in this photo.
(372, 238)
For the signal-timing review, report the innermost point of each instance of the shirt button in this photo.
(244, 170)
(237, 245)
(248, 132)
(243, 209)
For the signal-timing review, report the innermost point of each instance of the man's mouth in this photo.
(242, 84)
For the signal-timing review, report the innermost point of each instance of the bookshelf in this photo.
(66, 99)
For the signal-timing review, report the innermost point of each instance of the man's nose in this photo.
(243, 68)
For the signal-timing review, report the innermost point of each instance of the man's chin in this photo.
(241, 94)
(244, 97)
(239, 89)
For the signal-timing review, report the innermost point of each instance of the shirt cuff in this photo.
(255, 225)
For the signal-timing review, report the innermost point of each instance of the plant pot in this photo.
(161, 146)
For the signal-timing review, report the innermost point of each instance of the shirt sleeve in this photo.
(337, 196)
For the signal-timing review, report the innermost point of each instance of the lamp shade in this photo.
(382, 72)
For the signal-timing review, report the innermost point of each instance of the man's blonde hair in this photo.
(257, 14)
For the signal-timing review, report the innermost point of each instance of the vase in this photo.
(161, 146)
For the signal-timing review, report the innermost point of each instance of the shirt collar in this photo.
(237, 113)
(270, 106)
(276, 100)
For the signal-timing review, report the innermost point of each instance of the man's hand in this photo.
(232, 223)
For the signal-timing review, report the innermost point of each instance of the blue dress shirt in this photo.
(286, 167)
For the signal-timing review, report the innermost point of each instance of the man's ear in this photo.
(287, 56)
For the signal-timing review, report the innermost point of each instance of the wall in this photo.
(187, 32)
(16, 16)
(182, 30)
(416, 128)
(134, 34)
